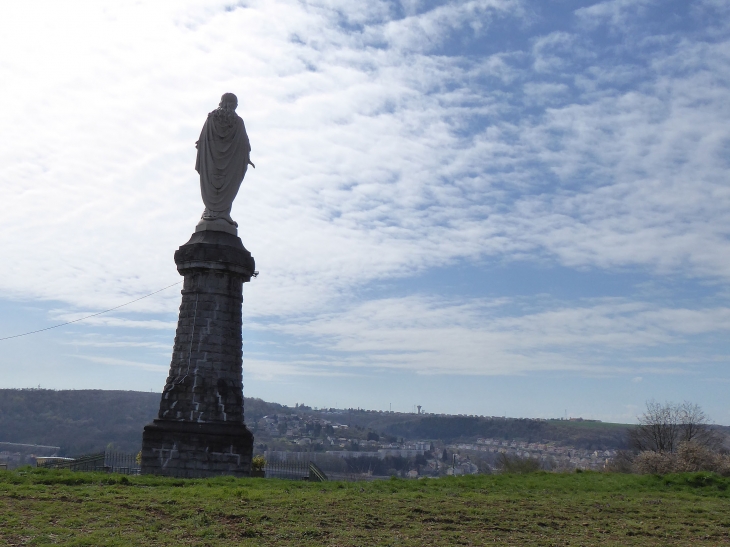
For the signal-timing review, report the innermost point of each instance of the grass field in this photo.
(41, 507)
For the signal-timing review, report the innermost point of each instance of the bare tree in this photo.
(657, 430)
(695, 427)
(663, 427)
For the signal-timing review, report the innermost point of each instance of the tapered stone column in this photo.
(200, 429)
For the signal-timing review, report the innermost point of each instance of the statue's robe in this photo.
(223, 155)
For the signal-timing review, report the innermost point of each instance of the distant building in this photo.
(382, 453)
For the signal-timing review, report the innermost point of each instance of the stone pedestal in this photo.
(200, 431)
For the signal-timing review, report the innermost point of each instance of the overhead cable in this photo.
(90, 316)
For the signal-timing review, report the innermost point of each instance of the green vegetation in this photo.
(87, 420)
(258, 463)
(587, 425)
(79, 422)
(42, 507)
(515, 464)
(584, 434)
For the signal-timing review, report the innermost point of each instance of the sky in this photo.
(494, 207)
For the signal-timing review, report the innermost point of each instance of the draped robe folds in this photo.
(223, 156)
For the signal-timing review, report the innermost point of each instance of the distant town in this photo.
(291, 436)
(350, 441)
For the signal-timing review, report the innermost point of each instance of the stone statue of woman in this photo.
(224, 154)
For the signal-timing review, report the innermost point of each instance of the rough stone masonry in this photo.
(200, 427)
(200, 430)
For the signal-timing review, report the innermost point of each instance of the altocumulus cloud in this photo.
(494, 337)
(390, 138)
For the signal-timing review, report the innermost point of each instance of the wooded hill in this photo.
(587, 435)
(85, 421)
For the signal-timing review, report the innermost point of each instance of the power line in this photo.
(90, 316)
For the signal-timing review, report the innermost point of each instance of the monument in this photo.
(200, 430)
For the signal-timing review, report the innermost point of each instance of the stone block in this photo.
(203, 392)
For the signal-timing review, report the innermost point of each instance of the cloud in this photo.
(107, 321)
(122, 363)
(119, 344)
(426, 31)
(273, 370)
(616, 13)
(433, 336)
(388, 140)
(359, 151)
(332, 124)
(706, 358)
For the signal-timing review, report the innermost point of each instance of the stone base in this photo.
(195, 450)
(216, 225)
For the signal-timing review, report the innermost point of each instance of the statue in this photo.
(224, 154)
(200, 430)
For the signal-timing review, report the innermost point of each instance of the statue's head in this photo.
(229, 101)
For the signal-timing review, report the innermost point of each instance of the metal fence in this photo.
(109, 462)
(294, 470)
(316, 474)
(116, 462)
(355, 477)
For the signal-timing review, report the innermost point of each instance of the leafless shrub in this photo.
(689, 457)
(622, 462)
(693, 457)
(663, 427)
(724, 466)
(515, 464)
(657, 463)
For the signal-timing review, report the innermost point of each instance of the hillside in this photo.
(449, 429)
(84, 421)
(463, 428)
